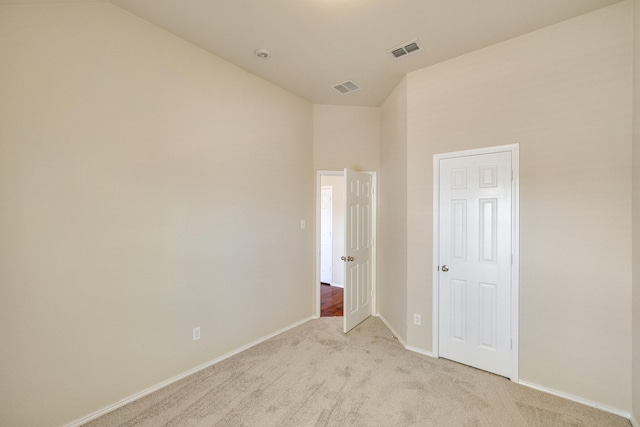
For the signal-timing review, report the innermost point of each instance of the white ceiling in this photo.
(315, 44)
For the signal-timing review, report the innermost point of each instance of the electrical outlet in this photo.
(417, 319)
(303, 224)
(196, 333)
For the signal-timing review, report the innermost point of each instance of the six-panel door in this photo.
(475, 246)
(358, 248)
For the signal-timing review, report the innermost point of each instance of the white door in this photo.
(358, 248)
(475, 261)
(326, 240)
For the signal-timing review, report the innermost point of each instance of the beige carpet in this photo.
(314, 375)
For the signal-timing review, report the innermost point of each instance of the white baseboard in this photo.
(178, 377)
(393, 331)
(420, 351)
(332, 284)
(404, 344)
(579, 400)
(526, 384)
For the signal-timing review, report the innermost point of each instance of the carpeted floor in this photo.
(314, 375)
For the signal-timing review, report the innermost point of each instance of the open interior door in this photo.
(358, 242)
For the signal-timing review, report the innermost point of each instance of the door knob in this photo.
(343, 258)
(445, 268)
(349, 258)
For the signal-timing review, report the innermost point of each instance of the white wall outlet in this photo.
(303, 224)
(196, 333)
(417, 319)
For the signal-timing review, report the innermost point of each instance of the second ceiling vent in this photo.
(405, 49)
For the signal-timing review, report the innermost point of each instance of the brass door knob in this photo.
(349, 258)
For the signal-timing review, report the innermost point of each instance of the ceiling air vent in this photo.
(346, 87)
(406, 49)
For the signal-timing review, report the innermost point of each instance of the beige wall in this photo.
(346, 137)
(392, 252)
(563, 94)
(141, 197)
(337, 225)
(636, 214)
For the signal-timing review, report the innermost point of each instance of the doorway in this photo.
(326, 234)
(331, 245)
(475, 281)
(351, 264)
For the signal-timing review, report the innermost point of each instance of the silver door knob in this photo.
(343, 258)
(349, 258)
(445, 268)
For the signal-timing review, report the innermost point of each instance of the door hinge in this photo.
(511, 259)
(511, 344)
(511, 175)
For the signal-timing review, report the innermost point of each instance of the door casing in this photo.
(316, 283)
(515, 244)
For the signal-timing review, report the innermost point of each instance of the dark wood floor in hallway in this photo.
(331, 298)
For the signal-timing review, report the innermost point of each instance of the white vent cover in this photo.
(347, 87)
(405, 49)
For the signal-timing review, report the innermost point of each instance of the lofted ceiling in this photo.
(316, 44)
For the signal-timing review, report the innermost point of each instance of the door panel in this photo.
(358, 248)
(458, 309)
(475, 245)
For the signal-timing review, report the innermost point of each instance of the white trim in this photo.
(393, 331)
(435, 309)
(374, 228)
(527, 384)
(374, 245)
(578, 400)
(515, 268)
(401, 341)
(515, 242)
(178, 377)
(334, 285)
(420, 351)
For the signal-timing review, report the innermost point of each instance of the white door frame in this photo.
(374, 208)
(514, 149)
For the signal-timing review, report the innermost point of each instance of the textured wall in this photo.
(346, 137)
(392, 255)
(636, 214)
(147, 187)
(563, 94)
